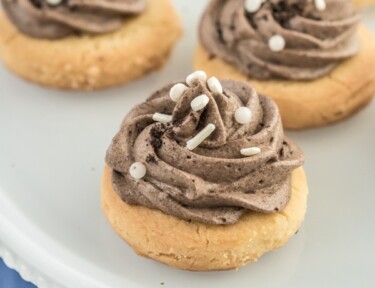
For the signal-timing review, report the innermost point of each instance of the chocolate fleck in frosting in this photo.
(213, 183)
(41, 19)
(314, 38)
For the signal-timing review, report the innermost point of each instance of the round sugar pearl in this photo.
(197, 75)
(137, 170)
(320, 5)
(177, 91)
(54, 2)
(243, 115)
(276, 43)
(253, 6)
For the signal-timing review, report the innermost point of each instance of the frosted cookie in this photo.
(201, 176)
(88, 45)
(311, 57)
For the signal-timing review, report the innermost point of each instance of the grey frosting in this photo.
(38, 19)
(214, 183)
(316, 41)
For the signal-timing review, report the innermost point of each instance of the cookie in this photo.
(304, 104)
(201, 247)
(89, 62)
(200, 176)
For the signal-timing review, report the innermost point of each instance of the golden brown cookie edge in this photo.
(308, 104)
(200, 247)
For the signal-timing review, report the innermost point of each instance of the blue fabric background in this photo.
(11, 279)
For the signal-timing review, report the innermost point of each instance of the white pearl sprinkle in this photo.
(197, 75)
(137, 170)
(214, 85)
(163, 118)
(320, 5)
(276, 43)
(250, 151)
(200, 137)
(54, 2)
(253, 6)
(177, 91)
(243, 115)
(199, 102)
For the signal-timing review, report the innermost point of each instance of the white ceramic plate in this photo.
(52, 230)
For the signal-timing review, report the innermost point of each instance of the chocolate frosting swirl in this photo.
(316, 41)
(214, 183)
(39, 19)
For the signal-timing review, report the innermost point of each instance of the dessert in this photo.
(312, 57)
(201, 177)
(77, 44)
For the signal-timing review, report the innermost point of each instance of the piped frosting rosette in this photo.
(53, 19)
(289, 39)
(204, 150)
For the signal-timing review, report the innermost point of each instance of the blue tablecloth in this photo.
(11, 279)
